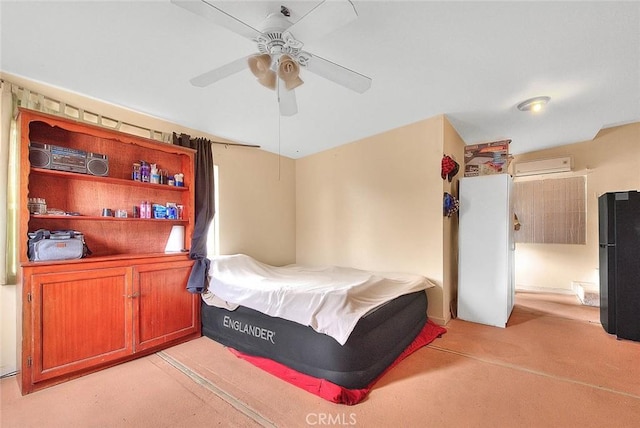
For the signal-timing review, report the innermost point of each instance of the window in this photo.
(551, 211)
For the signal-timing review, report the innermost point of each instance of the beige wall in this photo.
(256, 192)
(377, 204)
(610, 162)
(257, 205)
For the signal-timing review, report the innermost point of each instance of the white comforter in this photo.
(331, 300)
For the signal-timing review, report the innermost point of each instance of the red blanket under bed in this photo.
(331, 391)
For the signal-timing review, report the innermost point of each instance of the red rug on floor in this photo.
(330, 391)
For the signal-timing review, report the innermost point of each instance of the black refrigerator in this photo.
(619, 238)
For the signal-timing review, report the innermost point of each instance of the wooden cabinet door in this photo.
(166, 310)
(80, 320)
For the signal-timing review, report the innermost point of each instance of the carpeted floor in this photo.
(553, 366)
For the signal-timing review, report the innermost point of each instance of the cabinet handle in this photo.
(133, 296)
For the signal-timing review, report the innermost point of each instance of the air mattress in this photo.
(378, 338)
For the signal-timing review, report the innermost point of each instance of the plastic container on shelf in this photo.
(159, 211)
(37, 205)
(155, 174)
(145, 172)
(145, 209)
(135, 173)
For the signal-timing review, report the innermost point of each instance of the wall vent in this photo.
(543, 166)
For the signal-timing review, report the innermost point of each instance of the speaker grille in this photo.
(98, 166)
(39, 158)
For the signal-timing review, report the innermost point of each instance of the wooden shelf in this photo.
(101, 218)
(182, 255)
(108, 180)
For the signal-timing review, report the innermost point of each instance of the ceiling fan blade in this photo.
(218, 16)
(286, 100)
(326, 17)
(212, 76)
(338, 74)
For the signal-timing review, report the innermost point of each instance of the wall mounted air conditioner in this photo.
(543, 166)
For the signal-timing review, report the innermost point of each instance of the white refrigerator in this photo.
(486, 288)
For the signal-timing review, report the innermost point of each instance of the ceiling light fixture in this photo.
(260, 66)
(533, 104)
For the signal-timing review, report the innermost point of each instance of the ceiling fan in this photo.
(277, 65)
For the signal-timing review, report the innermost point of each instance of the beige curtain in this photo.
(9, 189)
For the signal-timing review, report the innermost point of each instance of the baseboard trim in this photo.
(439, 320)
(528, 289)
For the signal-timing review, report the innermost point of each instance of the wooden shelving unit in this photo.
(128, 298)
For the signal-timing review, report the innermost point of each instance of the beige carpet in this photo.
(548, 368)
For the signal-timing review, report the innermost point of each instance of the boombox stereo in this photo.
(64, 159)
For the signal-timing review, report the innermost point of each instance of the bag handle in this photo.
(70, 232)
(41, 234)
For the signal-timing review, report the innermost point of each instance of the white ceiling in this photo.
(473, 61)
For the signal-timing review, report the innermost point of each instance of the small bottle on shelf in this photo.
(145, 172)
(135, 174)
(155, 175)
(172, 211)
(145, 209)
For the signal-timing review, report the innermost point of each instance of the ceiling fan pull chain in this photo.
(279, 131)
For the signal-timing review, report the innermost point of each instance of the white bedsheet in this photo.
(329, 299)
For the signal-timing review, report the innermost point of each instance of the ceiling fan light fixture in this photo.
(535, 104)
(289, 72)
(260, 67)
(268, 80)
